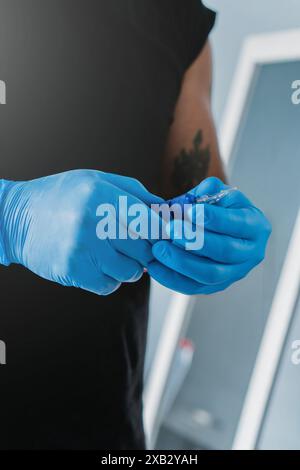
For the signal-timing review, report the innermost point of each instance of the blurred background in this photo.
(208, 377)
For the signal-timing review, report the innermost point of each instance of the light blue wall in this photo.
(236, 20)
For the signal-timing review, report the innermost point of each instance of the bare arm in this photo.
(192, 151)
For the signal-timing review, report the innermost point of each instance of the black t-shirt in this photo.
(90, 84)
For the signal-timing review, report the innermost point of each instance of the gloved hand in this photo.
(49, 226)
(235, 239)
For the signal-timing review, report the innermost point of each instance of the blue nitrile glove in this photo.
(235, 239)
(49, 226)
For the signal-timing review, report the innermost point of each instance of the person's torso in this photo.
(89, 85)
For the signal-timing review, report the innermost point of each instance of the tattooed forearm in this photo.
(191, 166)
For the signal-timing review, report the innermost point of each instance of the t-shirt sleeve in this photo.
(179, 28)
(199, 22)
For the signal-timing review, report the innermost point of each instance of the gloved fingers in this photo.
(99, 283)
(246, 222)
(121, 268)
(206, 290)
(172, 280)
(214, 185)
(139, 220)
(199, 269)
(180, 283)
(235, 199)
(210, 185)
(221, 248)
(139, 250)
(134, 187)
(84, 271)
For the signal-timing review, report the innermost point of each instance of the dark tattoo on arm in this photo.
(191, 166)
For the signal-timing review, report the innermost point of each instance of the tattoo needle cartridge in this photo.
(205, 199)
